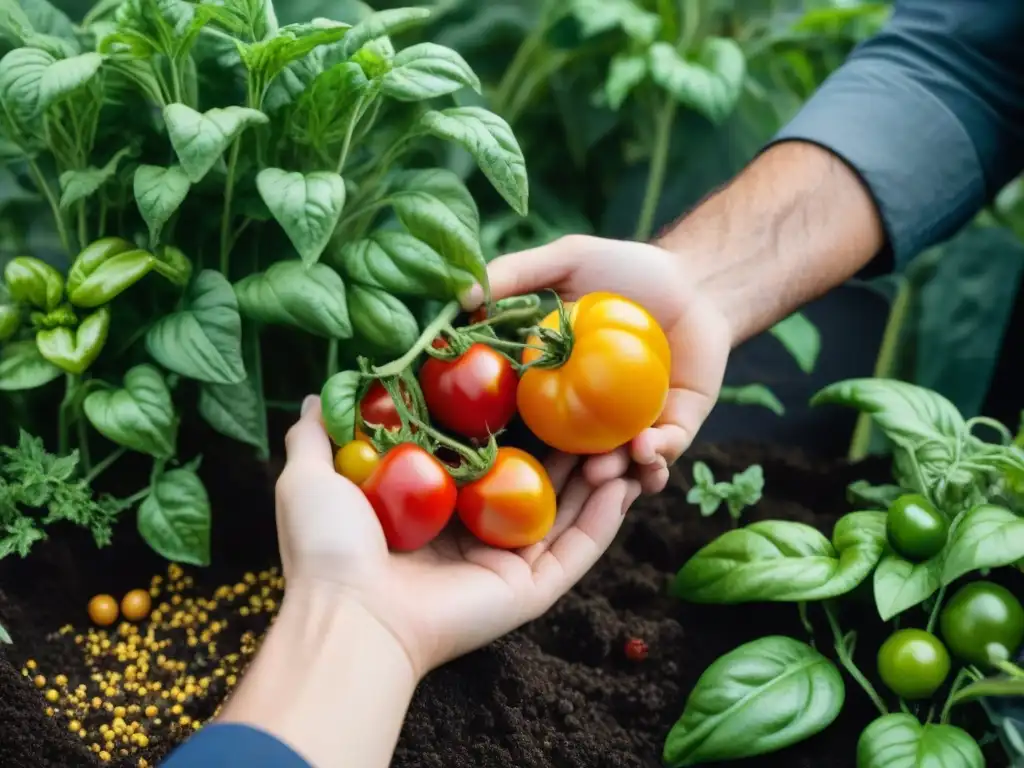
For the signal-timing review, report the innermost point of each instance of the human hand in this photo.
(698, 334)
(452, 596)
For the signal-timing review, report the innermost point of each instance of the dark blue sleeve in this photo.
(231, 745)
(930, 113)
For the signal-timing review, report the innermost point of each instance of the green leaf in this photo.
(756, 699)
(140, 416)
(986, 537)
(175, 518)
(491, 142)
(289, 293)
(23, 367)
(626, 72)
(381, 319)
(705, 498)
(748, 485)
(702, 474)
(203, 341)
(752, 394)
(801, 339)
(307, 207)
(339, 403)
(199, 139)
(900, 741)
(861, 492)
(901, 584)
(31, 80)
(81, 184)
(10, 321)
(991, 687)
(238, 410)
(711, 84)
(427, 71)
(5, 636)
(783, 561)
(105, 269)
(159, 192)
(598, 16)
(32, 281)
(268, 58)
(388, 22)
(398, 263)
(75, 350)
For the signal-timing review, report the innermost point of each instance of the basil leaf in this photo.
(10, 320)
(710, 84)
(783, 561)
(900, 741)
(399, 263)
(756, 699)
(23, 367)
(599, 16)
(159, 192)
(901, 584)
(175, 518)
(75, 350)
(34, 282)
(702, 474)
(986, 537)
(140, 416)
(625, 73)
(381, 319)
(288, 293)
(752, 394)
(801, 339)
(203, 341)
(307, 207)
(862, 492)
(493, 145)
(32, 79)
(199, 139)
(104, 269)
(388, 22)
(427, 71)
(268, 58)
(339, 404)
(81, 184)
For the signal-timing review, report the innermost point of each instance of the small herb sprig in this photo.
(744, 491)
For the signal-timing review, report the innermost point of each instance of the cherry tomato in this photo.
(613, 385)
(473, 395)
(478, 315)
(413, 496)
(103, 610)
(356, 460)
(915, 529)
(511, 506)
(136, 604)
(913, 663)
(636, 649)
(979, 615)
(377, 409)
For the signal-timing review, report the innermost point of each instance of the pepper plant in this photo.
(267, 175)
(955, 509)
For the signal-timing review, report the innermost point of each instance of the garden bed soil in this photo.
(559, 692)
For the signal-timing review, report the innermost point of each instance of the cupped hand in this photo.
(454, 595)
(698, 334)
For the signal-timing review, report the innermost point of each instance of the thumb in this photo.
(307, 443)
(528, 271)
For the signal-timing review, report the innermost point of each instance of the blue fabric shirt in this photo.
(230, 745)
(930, 113)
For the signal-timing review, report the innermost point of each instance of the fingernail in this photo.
(308, 403)
(632, 494)
(472, 297)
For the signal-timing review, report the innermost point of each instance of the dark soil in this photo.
(559, 692)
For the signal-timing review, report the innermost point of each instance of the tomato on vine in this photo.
(377, 409)
(472, 395)
(413, 496)
(356, 460)
(914, 528)
(596, 377)
(513, 505)
(982, 618)
(913, 663)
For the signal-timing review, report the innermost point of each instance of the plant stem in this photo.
(103, 215)
(936, 608)
(659, 162)
(1010, 668)
(806, 621)
(83, 442)
(332, 357)
(444, 317)
(225, 224)
(104, 465)
(962, 677)
(847, 661)
(40, 180)
(357, 115)
(83, 226)
(533, 41)
(139, 495)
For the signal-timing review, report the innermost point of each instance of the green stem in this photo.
(40, 180)
(83, 226)
(539, 76)
(1009, 668)
(936, 608)
(105, 464)
(357, 115)
(447, 314)
(84, 460)
(519, 63)
(806, 621)
(332, 357)
(659, 163)
(138, 495)
(962, 677)
(103, 215)
(225, 224)
(848, 663)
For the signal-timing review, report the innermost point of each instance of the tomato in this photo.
(413, 496)
(982, 614)
(473, 395)
(613, 384)
(915, 529)
(513, 505)
(103, 610)
(136, 604)
(377, 409)
(356, 460)
(913, 663)
(636, 649)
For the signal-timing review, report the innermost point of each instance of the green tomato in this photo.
(982, 617)
(915, 529)
(913, 663)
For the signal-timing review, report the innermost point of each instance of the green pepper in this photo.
(104, 269)
(34, 282)
(75, 350)
(10, 320)
(173, 264)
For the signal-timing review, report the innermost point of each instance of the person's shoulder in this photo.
(231, 745)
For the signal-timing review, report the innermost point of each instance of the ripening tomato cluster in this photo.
(590, 394)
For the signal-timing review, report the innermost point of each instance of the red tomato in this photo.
(413, 496)
(377, 409)
(511, 506)
(636, 649)
(473, 395)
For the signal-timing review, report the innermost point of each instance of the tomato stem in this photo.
(936, 608)
(846, 659)
(444, 318)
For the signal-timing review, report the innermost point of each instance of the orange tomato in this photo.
(513, 505)
(613, 385)
(356, 460)
(103, 610)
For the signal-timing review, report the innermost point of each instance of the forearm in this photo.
(794, 224)
(329, 681)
